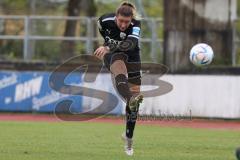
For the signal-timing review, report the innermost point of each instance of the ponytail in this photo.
(128, 9)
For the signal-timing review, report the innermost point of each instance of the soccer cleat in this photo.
(134, 102)
(128, 149)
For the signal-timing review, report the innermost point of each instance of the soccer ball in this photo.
(201, 54)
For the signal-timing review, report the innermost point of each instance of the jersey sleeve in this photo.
(102, 28)
(136, 29)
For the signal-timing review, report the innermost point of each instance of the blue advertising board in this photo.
(29, 91)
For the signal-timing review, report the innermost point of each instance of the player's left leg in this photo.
(131, 118)
(131, 115)
(134, 81)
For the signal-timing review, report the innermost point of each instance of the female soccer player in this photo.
(121, 55)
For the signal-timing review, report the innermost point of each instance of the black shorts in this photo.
(132, 61)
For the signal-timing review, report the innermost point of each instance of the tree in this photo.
(68, 47)
(75, 7)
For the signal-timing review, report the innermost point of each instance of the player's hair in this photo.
(127, 9)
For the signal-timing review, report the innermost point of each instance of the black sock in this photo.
(131, 118)
(122, 86)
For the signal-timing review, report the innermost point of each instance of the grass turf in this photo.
(101, 141)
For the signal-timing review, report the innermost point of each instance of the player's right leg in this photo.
(115, 62)
(134, 81)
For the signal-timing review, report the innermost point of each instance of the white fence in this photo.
(89, 38)
(152, 25)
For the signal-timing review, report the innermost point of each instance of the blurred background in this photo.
(34, 30)
(36, 36)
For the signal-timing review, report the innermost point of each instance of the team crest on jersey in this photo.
(108, 31)
(122, 35)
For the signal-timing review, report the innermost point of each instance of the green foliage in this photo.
(109, 7)
(47, 50)
(11, 49)
(153, 8)
(14, 6)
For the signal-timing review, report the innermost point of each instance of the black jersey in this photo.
(114, 36)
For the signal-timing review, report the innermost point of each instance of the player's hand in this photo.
(101, 51)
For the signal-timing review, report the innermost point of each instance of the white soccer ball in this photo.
(201, 54)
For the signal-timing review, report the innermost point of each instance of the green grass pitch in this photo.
(101, 141)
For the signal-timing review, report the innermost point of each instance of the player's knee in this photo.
(115, 60)
(118, 65)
